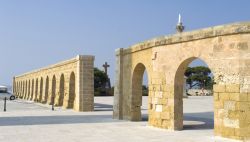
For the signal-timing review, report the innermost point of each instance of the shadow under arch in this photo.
(71, 98)
(32, 90)
(136, 92)
(178, 90)
(41, 90)
(46, 90)
(61, 90)
(36, 91)
(53, 90)
(28, 96)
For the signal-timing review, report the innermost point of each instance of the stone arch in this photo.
(46, 90)
(137, 82)
(41, 90)
(24, 90)
(23, 87)
(53, 90)
(28, 91)
(71, 99)
(36, 90)
(61, 90)
(32, 90)
(19, 88)
(178, 90)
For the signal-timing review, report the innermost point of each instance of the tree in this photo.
(100, 79)
(199, 76)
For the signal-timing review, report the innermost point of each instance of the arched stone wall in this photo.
(225, 49)
(53, 84)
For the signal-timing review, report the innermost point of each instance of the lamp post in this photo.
(179, 27)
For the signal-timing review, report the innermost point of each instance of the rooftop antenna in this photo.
(179, 27)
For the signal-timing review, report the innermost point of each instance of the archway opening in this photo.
(139, 109)
(53, 89)
(32, 89)
(193, 81)
(46, 90)
(41, 90)
(36, 91)
(26, 89)
(61, 91)
(71, 99)
(28, 96)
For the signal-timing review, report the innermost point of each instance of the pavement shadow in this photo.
(103, 107)
(198, 121)
(50, 120)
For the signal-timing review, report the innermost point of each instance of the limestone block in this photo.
(229, 105)
(166, 115)
(238, 96)
(234, 88)
(219, 88)
(223, 96)
(242, 132)
(231, 123)
(158, 108)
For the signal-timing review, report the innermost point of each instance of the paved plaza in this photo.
(26, 121)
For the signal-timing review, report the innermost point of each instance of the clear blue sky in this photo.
(36, 33)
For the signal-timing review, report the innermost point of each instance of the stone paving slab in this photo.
(26, 121)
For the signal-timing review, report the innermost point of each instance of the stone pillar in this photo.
(118, 92)
(232, 111)
(84, 100)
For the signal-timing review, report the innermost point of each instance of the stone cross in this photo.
(106, 65)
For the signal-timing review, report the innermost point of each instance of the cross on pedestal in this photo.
(106, 65)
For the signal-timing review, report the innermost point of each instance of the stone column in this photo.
(118, 92)
(232, 110)
(84, 100)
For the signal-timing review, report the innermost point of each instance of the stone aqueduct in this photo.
(225, 49)
(69, 84)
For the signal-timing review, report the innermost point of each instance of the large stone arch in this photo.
(225, 49)
(136, 88)
(178, 89)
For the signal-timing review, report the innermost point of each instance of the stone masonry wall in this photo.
(69, 84)
(225, 49)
